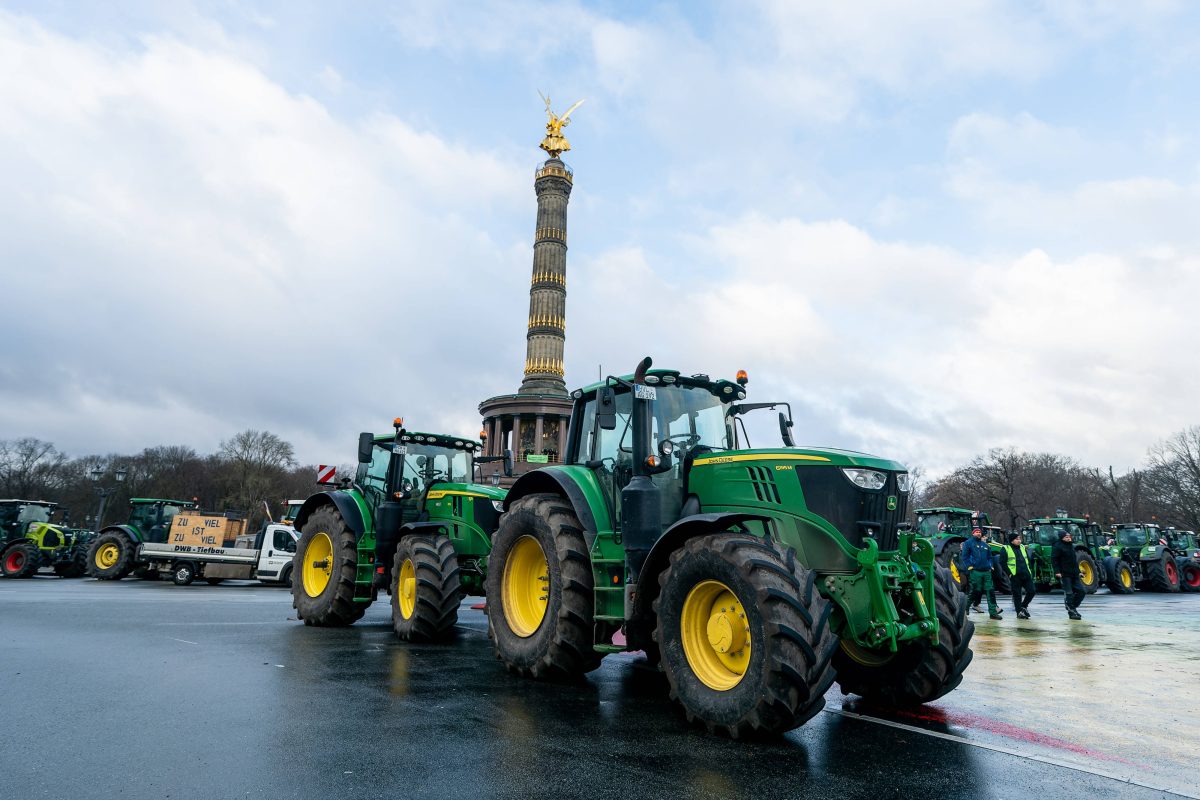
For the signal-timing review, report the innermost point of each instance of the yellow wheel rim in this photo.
(715, 634)
(1085, 573)
(954, 573)
(1126, 577)
(406, 589)
(318, 564)
(525, 586)
(107, 555)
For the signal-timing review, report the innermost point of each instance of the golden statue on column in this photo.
(555, 143)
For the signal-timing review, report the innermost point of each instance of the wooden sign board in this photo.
(198, 530)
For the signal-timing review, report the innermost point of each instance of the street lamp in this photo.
(104, 491)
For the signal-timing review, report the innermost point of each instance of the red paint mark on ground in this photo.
(1007, 730)
(479, 607)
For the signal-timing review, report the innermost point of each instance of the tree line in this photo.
(1014, 486)
(247, 469)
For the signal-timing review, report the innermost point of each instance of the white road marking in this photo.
(1089, 769)
(185, 641)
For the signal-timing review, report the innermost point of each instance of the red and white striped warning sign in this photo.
(325, 473)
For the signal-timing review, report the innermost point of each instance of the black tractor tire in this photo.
(949, 559)
(919, 673)
(560, 645)
(285, 576)
(789, 667)
(1189, 574)
(214, 581)
(1089, 572)
(1118, 576)
(334, 605)
(125, 560)
(76, 567)
(1161, 574)
(21, 560)
(435, 591)
(183, 573)
(146, 574)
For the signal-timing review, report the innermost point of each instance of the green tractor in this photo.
(413, 521)
(755, 578)
(1186, 547)
(113, 554)
(29, 541)
(1138, 555)
(948, 528)
(1042, 533)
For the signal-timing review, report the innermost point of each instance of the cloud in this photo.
(218, 252)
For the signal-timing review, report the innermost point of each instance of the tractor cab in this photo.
(994, 534)
(1131, 537)
(17, 515)
(151, 517)
(293, 508)
(1183, 542)
(948, 521)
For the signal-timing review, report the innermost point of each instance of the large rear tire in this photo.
(21, 560)
(1189, 574)
(327, 563)
(541, 605)
(1119, 575)
(111, 556)
(1089, 573)
(919, 673)
(950, 560)
(426, 588)
(744, 636)
(1162, 575)
(76, 567)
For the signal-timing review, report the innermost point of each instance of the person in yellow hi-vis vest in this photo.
(1021, 580)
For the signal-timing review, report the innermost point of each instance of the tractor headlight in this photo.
(903, 481)
(866, 478)
(498, 505)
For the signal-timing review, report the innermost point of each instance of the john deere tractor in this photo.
(948, 528)
(1138, 558)
(1088, 540)
(30, 541)
(412, 521)
(755, 578)
(113, 554)
(1186, 547)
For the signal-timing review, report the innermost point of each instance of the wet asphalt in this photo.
(148, 690)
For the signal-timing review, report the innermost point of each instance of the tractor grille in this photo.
(763, 481)
(856, 512)
(486, 515)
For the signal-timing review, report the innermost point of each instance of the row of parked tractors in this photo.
(753, 578)
(1126, 557)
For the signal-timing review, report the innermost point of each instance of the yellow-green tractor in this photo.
(29, 541)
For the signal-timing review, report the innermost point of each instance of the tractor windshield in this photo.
(424, 464)
(691, 417)
(1131, 537)
(33, 513)
(943, 522)
(1045, 535)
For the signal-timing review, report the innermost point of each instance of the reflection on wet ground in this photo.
(216, 692)
(1117, 689)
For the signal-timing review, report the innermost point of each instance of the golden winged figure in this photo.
(555, 143)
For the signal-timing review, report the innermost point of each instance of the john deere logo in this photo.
(892, 502)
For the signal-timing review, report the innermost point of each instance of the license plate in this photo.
(643, 392)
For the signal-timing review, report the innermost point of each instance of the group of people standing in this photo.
(976, 559)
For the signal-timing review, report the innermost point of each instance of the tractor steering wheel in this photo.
(689, 440)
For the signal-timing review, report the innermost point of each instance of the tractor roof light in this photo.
(652, 379)
(742, 377)
(398, 422)
(483, 434)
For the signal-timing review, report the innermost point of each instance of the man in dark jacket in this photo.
(1066, 569)
(1016, 563)
(976, 558)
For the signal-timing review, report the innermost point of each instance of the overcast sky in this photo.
(935, 227)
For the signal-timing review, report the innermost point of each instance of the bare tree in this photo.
(1173, 478)
(30, 468)
(256, 464)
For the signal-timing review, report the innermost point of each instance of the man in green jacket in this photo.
(1017, 565)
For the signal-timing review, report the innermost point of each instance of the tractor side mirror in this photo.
(366, 441)
(508, 463)
(785, 430)
(606, 409)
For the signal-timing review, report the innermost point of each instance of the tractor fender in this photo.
(675, 536)
(133, 533)
(1157, 555)
(340, 500)
(554, 481)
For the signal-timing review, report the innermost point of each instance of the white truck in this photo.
(265, 556)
